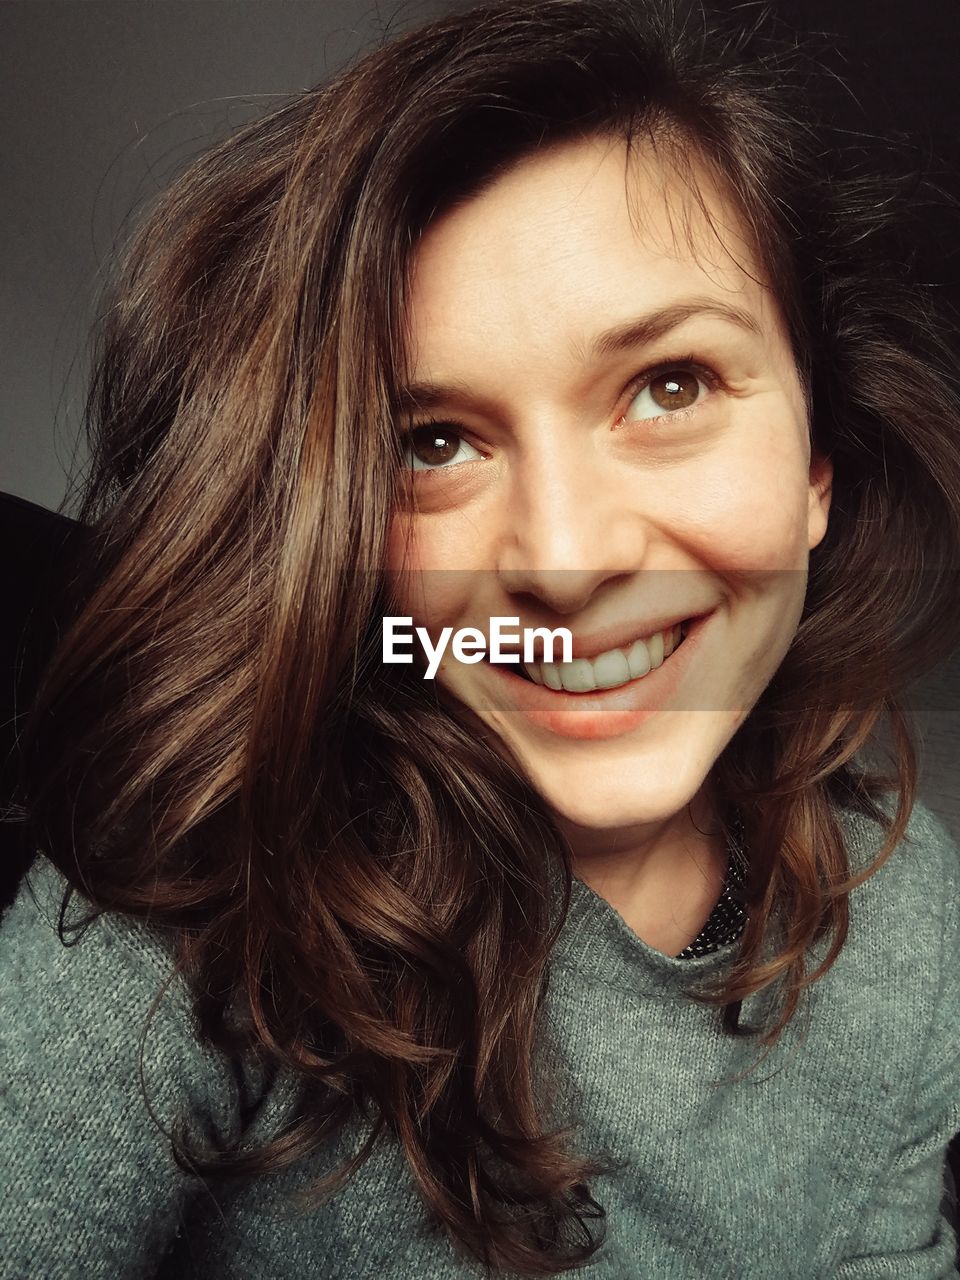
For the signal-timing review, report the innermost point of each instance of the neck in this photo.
(662, 877)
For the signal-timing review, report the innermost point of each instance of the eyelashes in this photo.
(686, 364)
(439, 433)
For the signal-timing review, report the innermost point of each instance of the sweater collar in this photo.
(597, 942)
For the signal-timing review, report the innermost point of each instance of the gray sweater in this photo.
(826, 1162)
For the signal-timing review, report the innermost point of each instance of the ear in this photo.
(821, 489)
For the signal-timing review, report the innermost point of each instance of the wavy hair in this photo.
(359, 889)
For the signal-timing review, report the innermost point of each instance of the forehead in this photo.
(574, 235)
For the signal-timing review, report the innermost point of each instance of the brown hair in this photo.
(347, 870)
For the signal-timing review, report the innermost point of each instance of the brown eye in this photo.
(668, 391)
(677, 389)
(434, 446)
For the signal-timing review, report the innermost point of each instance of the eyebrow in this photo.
(637, 332)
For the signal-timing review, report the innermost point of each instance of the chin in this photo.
(602, 799)
(625, 781)
(609, 818)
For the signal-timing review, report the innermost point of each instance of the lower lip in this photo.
(607, 713)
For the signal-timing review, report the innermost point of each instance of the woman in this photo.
(558, 312)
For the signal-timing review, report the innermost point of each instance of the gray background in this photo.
(103, 102)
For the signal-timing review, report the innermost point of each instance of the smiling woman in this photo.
(564, 312)
(588, 498)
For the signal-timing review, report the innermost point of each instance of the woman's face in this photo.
(622, 444)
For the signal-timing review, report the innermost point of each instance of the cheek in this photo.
(425, 570)
(402, 570)
(444, 541)
(401, 543)
(751, 511)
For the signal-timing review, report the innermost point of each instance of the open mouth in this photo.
(624, 704)
(607, 671)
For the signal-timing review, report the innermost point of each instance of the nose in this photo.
(569, 528)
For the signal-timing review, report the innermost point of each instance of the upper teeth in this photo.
(607, 670)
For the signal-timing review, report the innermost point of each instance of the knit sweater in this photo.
(828, 1161)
